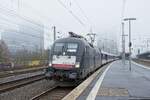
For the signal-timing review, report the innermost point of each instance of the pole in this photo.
(130, 44)
(123, 44)
(54, 33)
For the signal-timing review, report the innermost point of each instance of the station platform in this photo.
(117, 82)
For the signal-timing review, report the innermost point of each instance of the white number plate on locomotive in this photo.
(70, 60)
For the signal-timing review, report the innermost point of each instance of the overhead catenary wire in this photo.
(13, 39)
(43, 15)
(23, 33)
(6, 26)
(78, 19)
(82, 11)
(14, 13)
(20, 32)
(11, 12)
(16, 23)
(10, 21)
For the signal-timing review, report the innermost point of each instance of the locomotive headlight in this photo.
(77, 65)
(50, 64)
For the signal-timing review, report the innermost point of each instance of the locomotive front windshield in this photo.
(65, 47)
(58, 48)
(72, 47)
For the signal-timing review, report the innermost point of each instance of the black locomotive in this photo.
(73, 58)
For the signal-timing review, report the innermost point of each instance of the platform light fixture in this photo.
(130, 44)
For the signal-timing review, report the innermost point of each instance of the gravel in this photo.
(28, 91)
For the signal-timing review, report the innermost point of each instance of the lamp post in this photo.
(123, 44)
(54, 31)
(130, 44)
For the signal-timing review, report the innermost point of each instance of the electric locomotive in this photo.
(72, 58)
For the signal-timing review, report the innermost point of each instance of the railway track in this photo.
(20, 71)
(54, 93)
(143, 62)
(8, 86)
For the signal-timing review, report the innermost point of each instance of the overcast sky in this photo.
(104, 16)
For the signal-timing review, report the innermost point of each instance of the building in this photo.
(29, 36)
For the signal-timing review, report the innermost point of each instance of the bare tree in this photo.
(4, 52)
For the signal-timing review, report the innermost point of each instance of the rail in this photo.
(54, 93)
(20, 71)
(8, 86)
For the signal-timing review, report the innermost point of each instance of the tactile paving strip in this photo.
(104, 91)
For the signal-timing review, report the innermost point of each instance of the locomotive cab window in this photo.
(72, 47)
(58, 47)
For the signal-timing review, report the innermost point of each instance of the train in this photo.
(74, 58)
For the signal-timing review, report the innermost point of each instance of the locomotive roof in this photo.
(72, 39)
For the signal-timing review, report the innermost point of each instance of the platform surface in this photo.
(119, 83)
